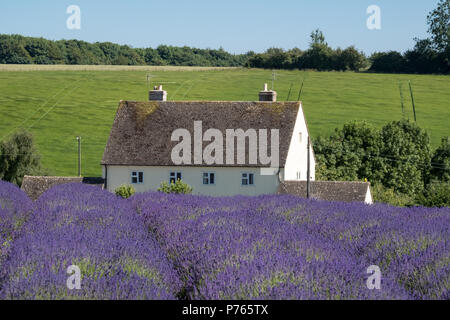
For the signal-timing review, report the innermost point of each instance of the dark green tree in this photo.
(406, 157)
(439, 26)
(350, 153)
(437, 194)
(440, 161)
(18, 157)
(388, 62)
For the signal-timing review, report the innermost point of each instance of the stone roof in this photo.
(35, 186)
(345, 191)
(141, 133)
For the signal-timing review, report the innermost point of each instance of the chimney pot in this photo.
(157, 94)
(267, 95)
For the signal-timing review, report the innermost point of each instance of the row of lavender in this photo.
(83, 226)
(15, 207)
(283, 247)
(269, 247)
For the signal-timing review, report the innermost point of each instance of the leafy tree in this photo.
(317, 38)
(406, 157)
(440, 161)
(388, 62)
(18, 157)
(439, 26)
(437, 194)
(397, 158)
(423, 59)
(350, 153)
(352, 59)
(13, 52)
(388, 195)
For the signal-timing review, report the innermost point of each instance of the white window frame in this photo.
(137, 174)
(299, 175)
(247, 177)
(174, 175)
(209, 173)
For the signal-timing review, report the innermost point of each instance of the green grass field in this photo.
(58, 105)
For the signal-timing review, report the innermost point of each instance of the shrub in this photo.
(388, 195)
(437, 194)
(125, 191)
(178, 187)
(19, 157)
(441, 161)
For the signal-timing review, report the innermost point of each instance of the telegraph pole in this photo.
(308, 172)
(412, 100)
(79, 156)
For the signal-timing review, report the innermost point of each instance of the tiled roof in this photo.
(141, 133)
(346, 191)
(35, 186)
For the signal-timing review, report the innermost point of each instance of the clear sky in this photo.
(236, 25)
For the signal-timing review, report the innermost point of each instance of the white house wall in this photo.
(368, 199)
(297, 155)
(227, 180)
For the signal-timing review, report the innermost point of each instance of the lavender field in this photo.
(159, 246)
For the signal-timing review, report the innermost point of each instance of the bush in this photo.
(178, 187)
(388, 195)
(19, 157)
(440, 161)
(389, 62)
(125, 191)
(437, 194)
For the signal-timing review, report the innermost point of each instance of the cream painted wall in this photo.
(228, 180)
(297, 155)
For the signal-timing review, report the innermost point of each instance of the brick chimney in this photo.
(267, 95)
(157, 94)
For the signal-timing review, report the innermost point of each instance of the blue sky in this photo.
(236, 25)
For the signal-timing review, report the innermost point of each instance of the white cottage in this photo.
(160, 140)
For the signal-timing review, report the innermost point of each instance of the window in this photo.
(299, 175)
(137, 177)
(209, 178)
(248, 179)
(300, 137)
(174, 177)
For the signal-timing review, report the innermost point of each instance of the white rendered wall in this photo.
(227, 180)
(297, 155)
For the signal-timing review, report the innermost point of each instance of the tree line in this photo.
(17, 49)
(397, 159)
(431, 55)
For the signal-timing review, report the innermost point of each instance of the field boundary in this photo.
(64, 67)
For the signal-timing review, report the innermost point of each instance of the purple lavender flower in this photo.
(98, 232)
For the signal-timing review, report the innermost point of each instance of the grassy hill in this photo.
(59, 103)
